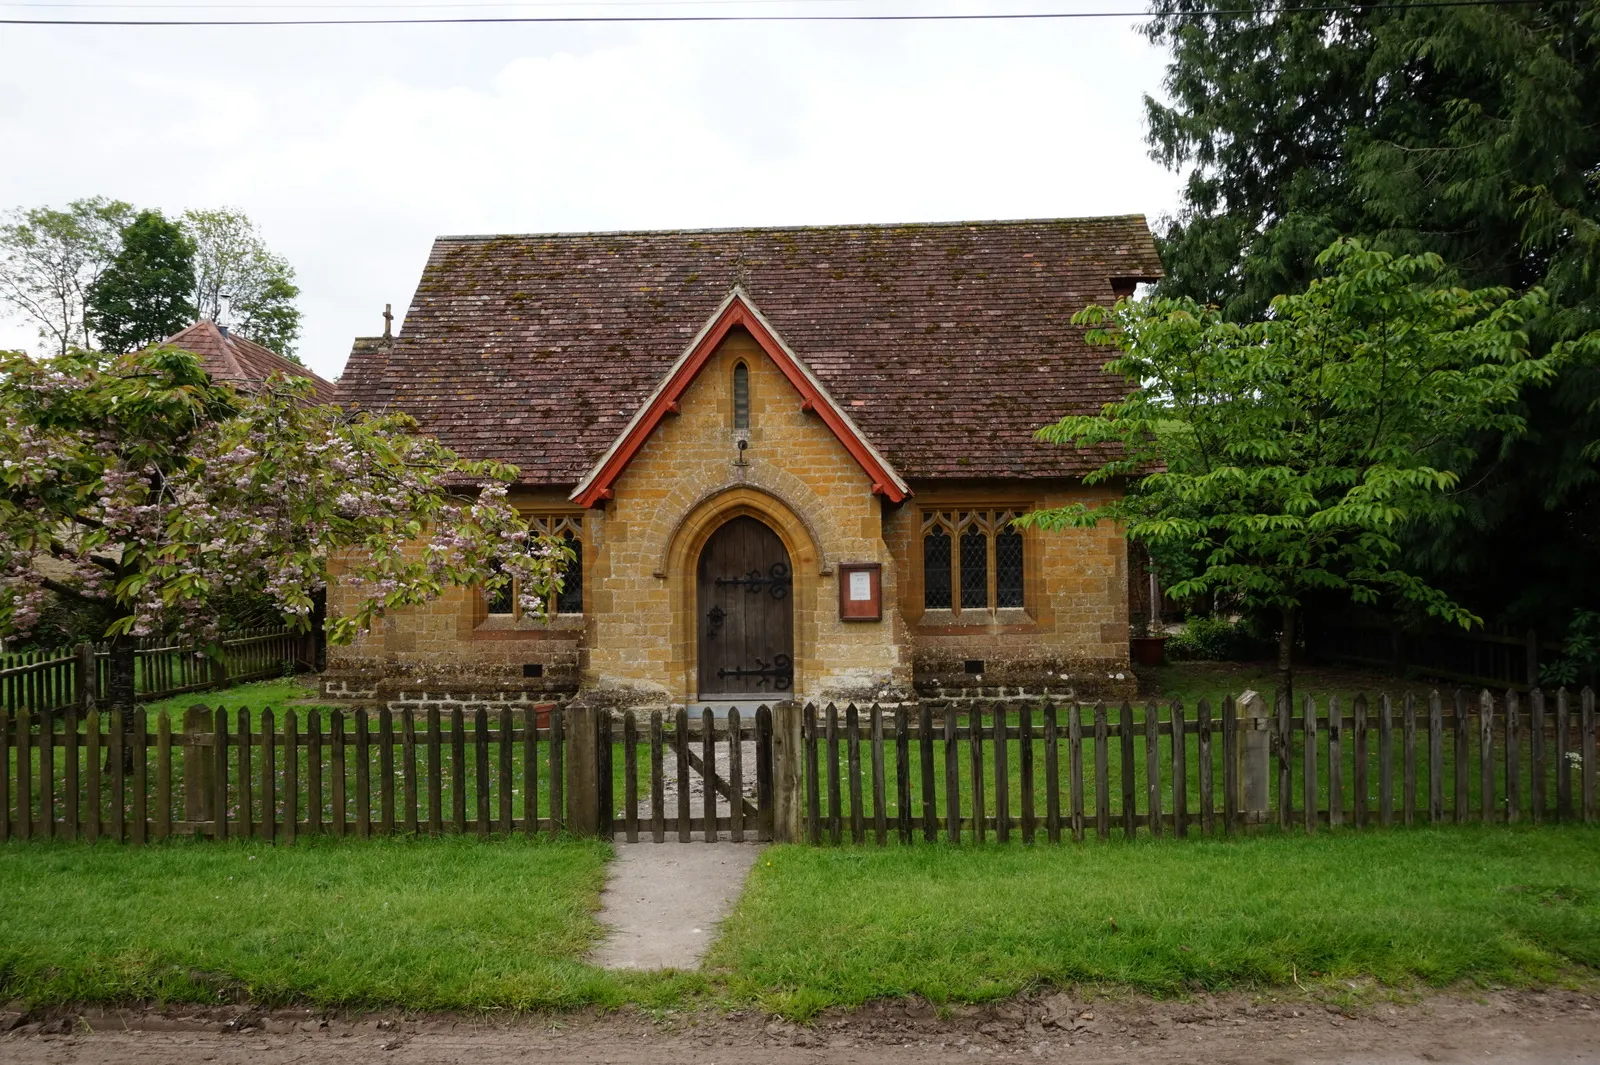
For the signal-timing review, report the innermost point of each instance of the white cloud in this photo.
(353, 148)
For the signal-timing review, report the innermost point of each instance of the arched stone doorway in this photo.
(745, 612)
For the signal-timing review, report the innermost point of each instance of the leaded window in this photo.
(972, 560)
(569, 528)
(1008, 567)
(936, 569)
(503, 599)
(570, 601)
(974, 568)
(741, 396)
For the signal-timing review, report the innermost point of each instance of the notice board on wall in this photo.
(860, 591)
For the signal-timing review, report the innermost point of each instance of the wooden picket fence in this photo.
(1069, 771)
(1050, 772)
(265, 776)
(55, 680)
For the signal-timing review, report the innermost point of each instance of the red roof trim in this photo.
(597, 486)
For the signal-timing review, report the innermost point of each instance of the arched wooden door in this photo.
(746, 612)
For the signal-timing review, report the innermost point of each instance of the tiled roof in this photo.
(947, 343)
(242, 363)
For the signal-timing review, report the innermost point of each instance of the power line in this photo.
(1400, 5)
(403, 6)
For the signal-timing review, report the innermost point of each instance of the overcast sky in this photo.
(354, 147)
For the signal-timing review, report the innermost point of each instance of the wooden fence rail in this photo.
(76, 677)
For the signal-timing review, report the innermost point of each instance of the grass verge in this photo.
(425, 924)
(821, 927)
(456, 923)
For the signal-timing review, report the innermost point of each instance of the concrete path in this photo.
(664, 900)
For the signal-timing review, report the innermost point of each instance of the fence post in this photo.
(88, 678)
(199, 765)
(1254, 751)
(787, 773)
(583, 768)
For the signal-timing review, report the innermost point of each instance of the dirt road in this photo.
(1502, 1027)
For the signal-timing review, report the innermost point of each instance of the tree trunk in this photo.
(1286, 657)
(120, 693)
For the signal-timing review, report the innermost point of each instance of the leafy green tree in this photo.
(50, 259)
(1468, 132)
(143, 296)
(234, 265)
(134, 487)
(1291, 454)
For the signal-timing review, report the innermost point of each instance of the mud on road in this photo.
(1502, 1026)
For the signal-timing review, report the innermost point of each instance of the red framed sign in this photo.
(860, 591)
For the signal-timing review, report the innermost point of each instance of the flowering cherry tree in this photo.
(136, 486)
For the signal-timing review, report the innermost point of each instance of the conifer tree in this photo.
(144, 295)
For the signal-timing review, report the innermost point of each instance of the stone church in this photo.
(789, 459)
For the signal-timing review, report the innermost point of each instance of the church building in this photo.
(789, 460)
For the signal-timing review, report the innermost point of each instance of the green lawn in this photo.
(433, 924)
(254, 697)
(1192, 681)
(840, 926)
(459, 924)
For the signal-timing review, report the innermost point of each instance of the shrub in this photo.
(1581, 651)
(1214, 639)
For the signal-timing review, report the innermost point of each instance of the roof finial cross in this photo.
(388, 320)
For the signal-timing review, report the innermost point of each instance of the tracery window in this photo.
(569, 527)
(972, 560)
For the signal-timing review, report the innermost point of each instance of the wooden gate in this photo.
(745, 616)
(711, 780)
